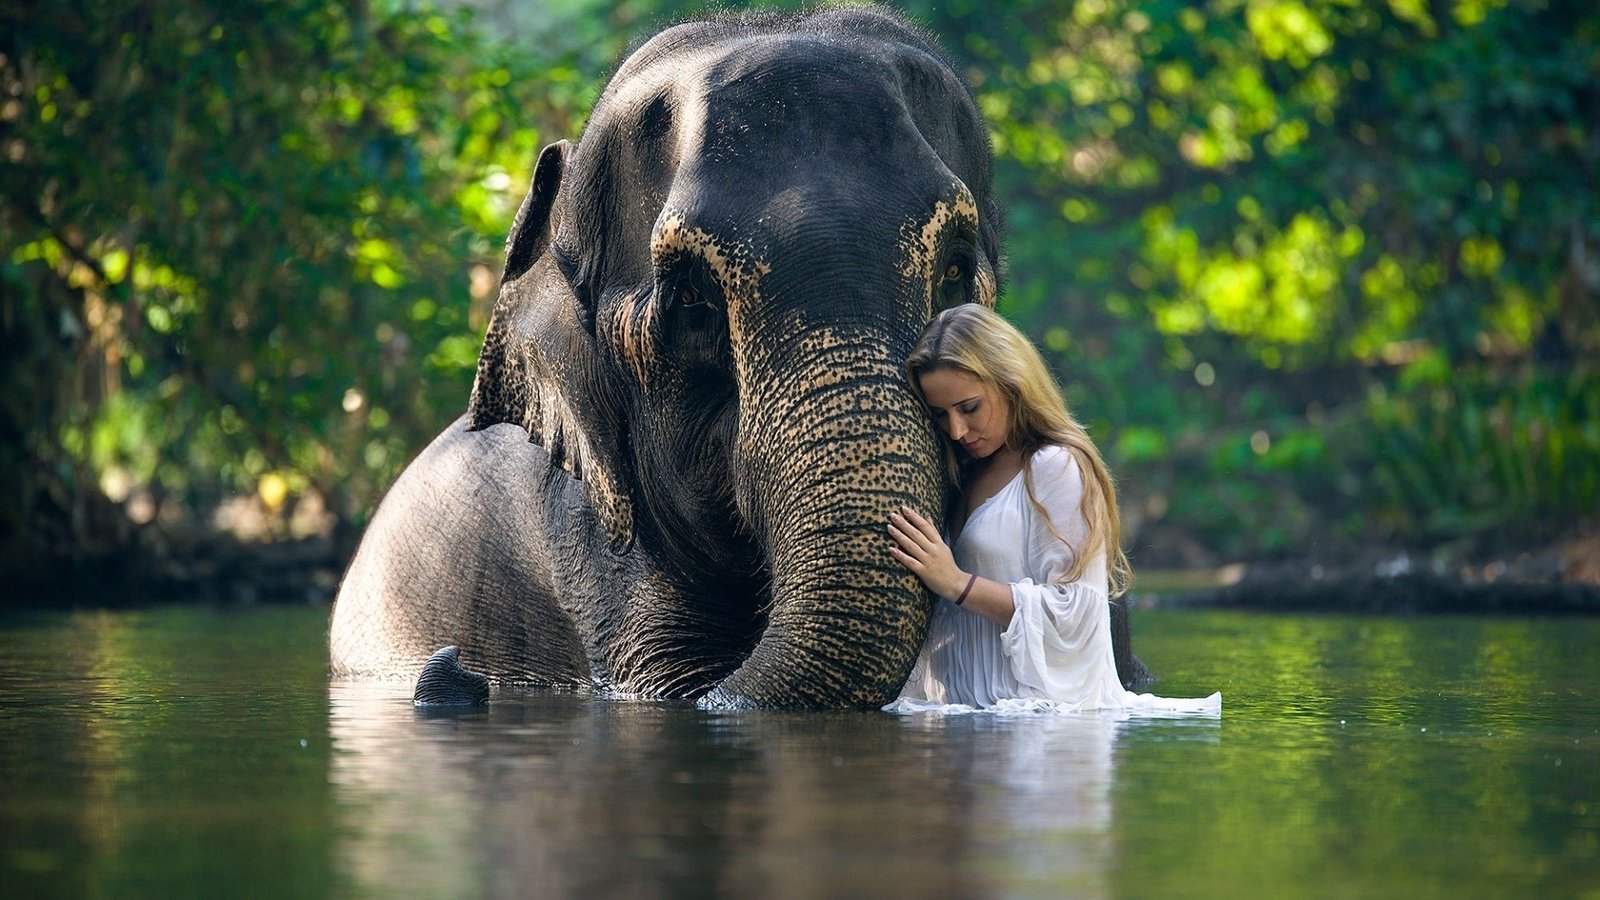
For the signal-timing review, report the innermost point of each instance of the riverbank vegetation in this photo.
(1322, 277)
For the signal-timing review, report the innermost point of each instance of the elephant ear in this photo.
(539, 368)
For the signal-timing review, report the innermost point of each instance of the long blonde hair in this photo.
(977, 340)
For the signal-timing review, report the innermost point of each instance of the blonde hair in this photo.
(976, 340)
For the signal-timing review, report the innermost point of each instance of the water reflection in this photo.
(561, 795)
(174, 752)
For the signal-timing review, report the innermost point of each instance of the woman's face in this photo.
(974, 415)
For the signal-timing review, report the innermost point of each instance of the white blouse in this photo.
(1055, 656)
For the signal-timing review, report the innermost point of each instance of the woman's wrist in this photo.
(952, 587)
(966, 588)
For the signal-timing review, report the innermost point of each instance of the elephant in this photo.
(690, 422)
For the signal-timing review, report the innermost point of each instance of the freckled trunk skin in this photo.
(832, 446)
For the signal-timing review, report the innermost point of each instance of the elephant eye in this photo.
(955, 288)
(683, 283)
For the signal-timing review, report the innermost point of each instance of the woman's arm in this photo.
(921, 549)
(1058, 644)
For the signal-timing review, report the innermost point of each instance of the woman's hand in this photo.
(920, 549)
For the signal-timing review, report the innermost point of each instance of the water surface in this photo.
(204, 752)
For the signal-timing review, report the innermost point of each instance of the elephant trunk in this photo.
(831, 449)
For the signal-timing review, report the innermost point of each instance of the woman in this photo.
(1024, 617)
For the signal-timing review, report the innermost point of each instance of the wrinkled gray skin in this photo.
(701, 325)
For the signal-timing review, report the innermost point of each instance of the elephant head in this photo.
(705, 309)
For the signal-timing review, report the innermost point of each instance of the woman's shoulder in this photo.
(1054, 460)
(1056, 473)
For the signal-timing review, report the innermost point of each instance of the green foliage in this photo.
(263, 235)
(1286, 172)
(1311, 270)
(1459, 455)
(1249, 216)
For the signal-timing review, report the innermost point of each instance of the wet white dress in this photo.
(1056, 654)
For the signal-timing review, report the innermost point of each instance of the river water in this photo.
(203, 752)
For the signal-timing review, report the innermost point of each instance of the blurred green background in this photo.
(1320, 275)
